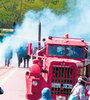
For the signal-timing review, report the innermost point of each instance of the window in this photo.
(74, 51)
(68, 51)
(56, 50)
(88, 52)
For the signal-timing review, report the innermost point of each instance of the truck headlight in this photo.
(60, 98)
(35, 83)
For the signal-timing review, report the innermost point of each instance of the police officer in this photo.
(78, 91)
(46, 94)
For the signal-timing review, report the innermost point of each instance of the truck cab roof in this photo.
(66, 41)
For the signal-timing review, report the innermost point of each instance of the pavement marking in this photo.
(8, 76)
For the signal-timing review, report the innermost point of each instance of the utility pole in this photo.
(20, 11)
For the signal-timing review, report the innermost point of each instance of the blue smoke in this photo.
(76, 23)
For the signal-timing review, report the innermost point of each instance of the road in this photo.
(12, 80)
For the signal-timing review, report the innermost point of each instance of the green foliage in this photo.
(10, 9)
(58, 6)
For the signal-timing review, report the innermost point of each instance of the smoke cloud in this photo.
(76, 23)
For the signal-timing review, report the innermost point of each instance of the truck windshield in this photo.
(69, 51)
(56, 50)
(74, 51)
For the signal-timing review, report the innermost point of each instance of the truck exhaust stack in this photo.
(39, 35)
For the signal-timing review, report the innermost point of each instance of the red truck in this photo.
(57, 66)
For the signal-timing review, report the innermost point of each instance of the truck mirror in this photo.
(29, 52)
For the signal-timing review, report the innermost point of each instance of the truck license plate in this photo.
(60, 98)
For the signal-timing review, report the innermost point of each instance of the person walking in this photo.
(78, 91)
(26, 57)
(46, 94)
(8, 56)
(20, 55)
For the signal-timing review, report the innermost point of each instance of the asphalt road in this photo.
(12, 80)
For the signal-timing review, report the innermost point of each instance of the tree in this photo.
(14, 10)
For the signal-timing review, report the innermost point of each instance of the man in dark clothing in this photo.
(8, 56)
(20, 55)
(26, 60)
(26, 57)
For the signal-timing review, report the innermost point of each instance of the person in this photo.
(8, 56)
(26, 57)
(1, 91)
(78, 91)
(26, 60)
(20, 55)
(89, 94)
(46, 94)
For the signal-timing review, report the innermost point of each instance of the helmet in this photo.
(83, 79)
(46, 94)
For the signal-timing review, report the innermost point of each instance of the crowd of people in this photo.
(22, 56)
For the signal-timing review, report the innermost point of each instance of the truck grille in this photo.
(61, 80)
